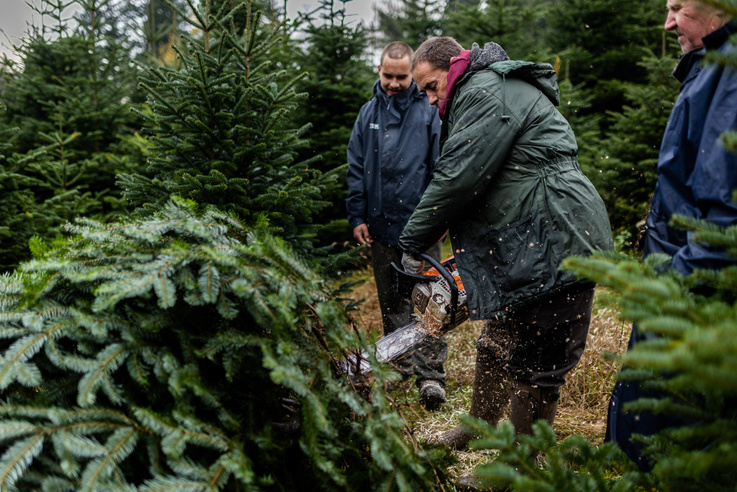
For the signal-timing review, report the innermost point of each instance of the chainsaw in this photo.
(439, 301)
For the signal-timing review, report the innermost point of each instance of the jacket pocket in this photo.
(517, 258)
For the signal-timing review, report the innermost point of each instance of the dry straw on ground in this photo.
(584, 398)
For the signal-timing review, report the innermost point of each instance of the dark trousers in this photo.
(621, 424)
(427, 361)
(542, 341)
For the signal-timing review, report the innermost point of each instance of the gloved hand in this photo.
(411, 264)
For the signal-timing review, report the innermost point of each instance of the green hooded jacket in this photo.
(509, 188)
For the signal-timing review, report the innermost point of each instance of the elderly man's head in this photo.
(430, 66)
(692, 20)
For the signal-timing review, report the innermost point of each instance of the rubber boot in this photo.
(490, 393)
(529, 403)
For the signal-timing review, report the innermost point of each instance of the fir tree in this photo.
(516, 25)
(67, 101)
(219, 128)
(603, 41)
(17, 202)
(272, 14)
(185, 352)
(624, 166)
(76, 81)
(338, 82)
(410, 21)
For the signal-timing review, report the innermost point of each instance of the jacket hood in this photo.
(540, 75)
(468, 62)
(493, 56)
(481, 58)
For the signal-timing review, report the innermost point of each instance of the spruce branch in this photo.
(17, 458)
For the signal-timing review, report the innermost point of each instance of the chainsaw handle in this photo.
(451, 284)
(431, 260)
(420, 277)
(402, 278)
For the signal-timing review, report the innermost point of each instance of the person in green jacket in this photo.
(508, 187)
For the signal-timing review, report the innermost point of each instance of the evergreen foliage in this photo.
(691, 361)
(517, 25)
(67, 104)
(72, 84)
(271, 14)
(573, 464)
(219, 128)
(623, 167)
(603, 41)
(338, 82)
(16, 198)
(410, 21)
(185, 352)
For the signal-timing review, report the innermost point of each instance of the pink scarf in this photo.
(458, 66)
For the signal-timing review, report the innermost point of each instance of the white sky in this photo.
(15, 15)
(357, 9)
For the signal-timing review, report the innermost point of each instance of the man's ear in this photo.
(378, 70)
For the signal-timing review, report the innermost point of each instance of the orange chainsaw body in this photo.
(438, 308)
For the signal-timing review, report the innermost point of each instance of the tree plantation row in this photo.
(173, 312)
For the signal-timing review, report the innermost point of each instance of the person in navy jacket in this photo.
(696, 178)
(391, 154)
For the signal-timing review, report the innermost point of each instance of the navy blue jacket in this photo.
(696, 178)
(391, 155)
(696, 175)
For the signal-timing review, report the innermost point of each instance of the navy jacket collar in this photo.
(715, 39)
(712, 41)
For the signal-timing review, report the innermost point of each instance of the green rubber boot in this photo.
(490, 394)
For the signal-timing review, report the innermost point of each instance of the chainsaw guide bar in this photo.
(439, 300)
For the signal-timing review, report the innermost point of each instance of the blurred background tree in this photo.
(517, 25)
(69, 102)
(410, 21)
(336, 59)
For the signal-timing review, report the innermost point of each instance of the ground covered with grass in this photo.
(584, 399)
